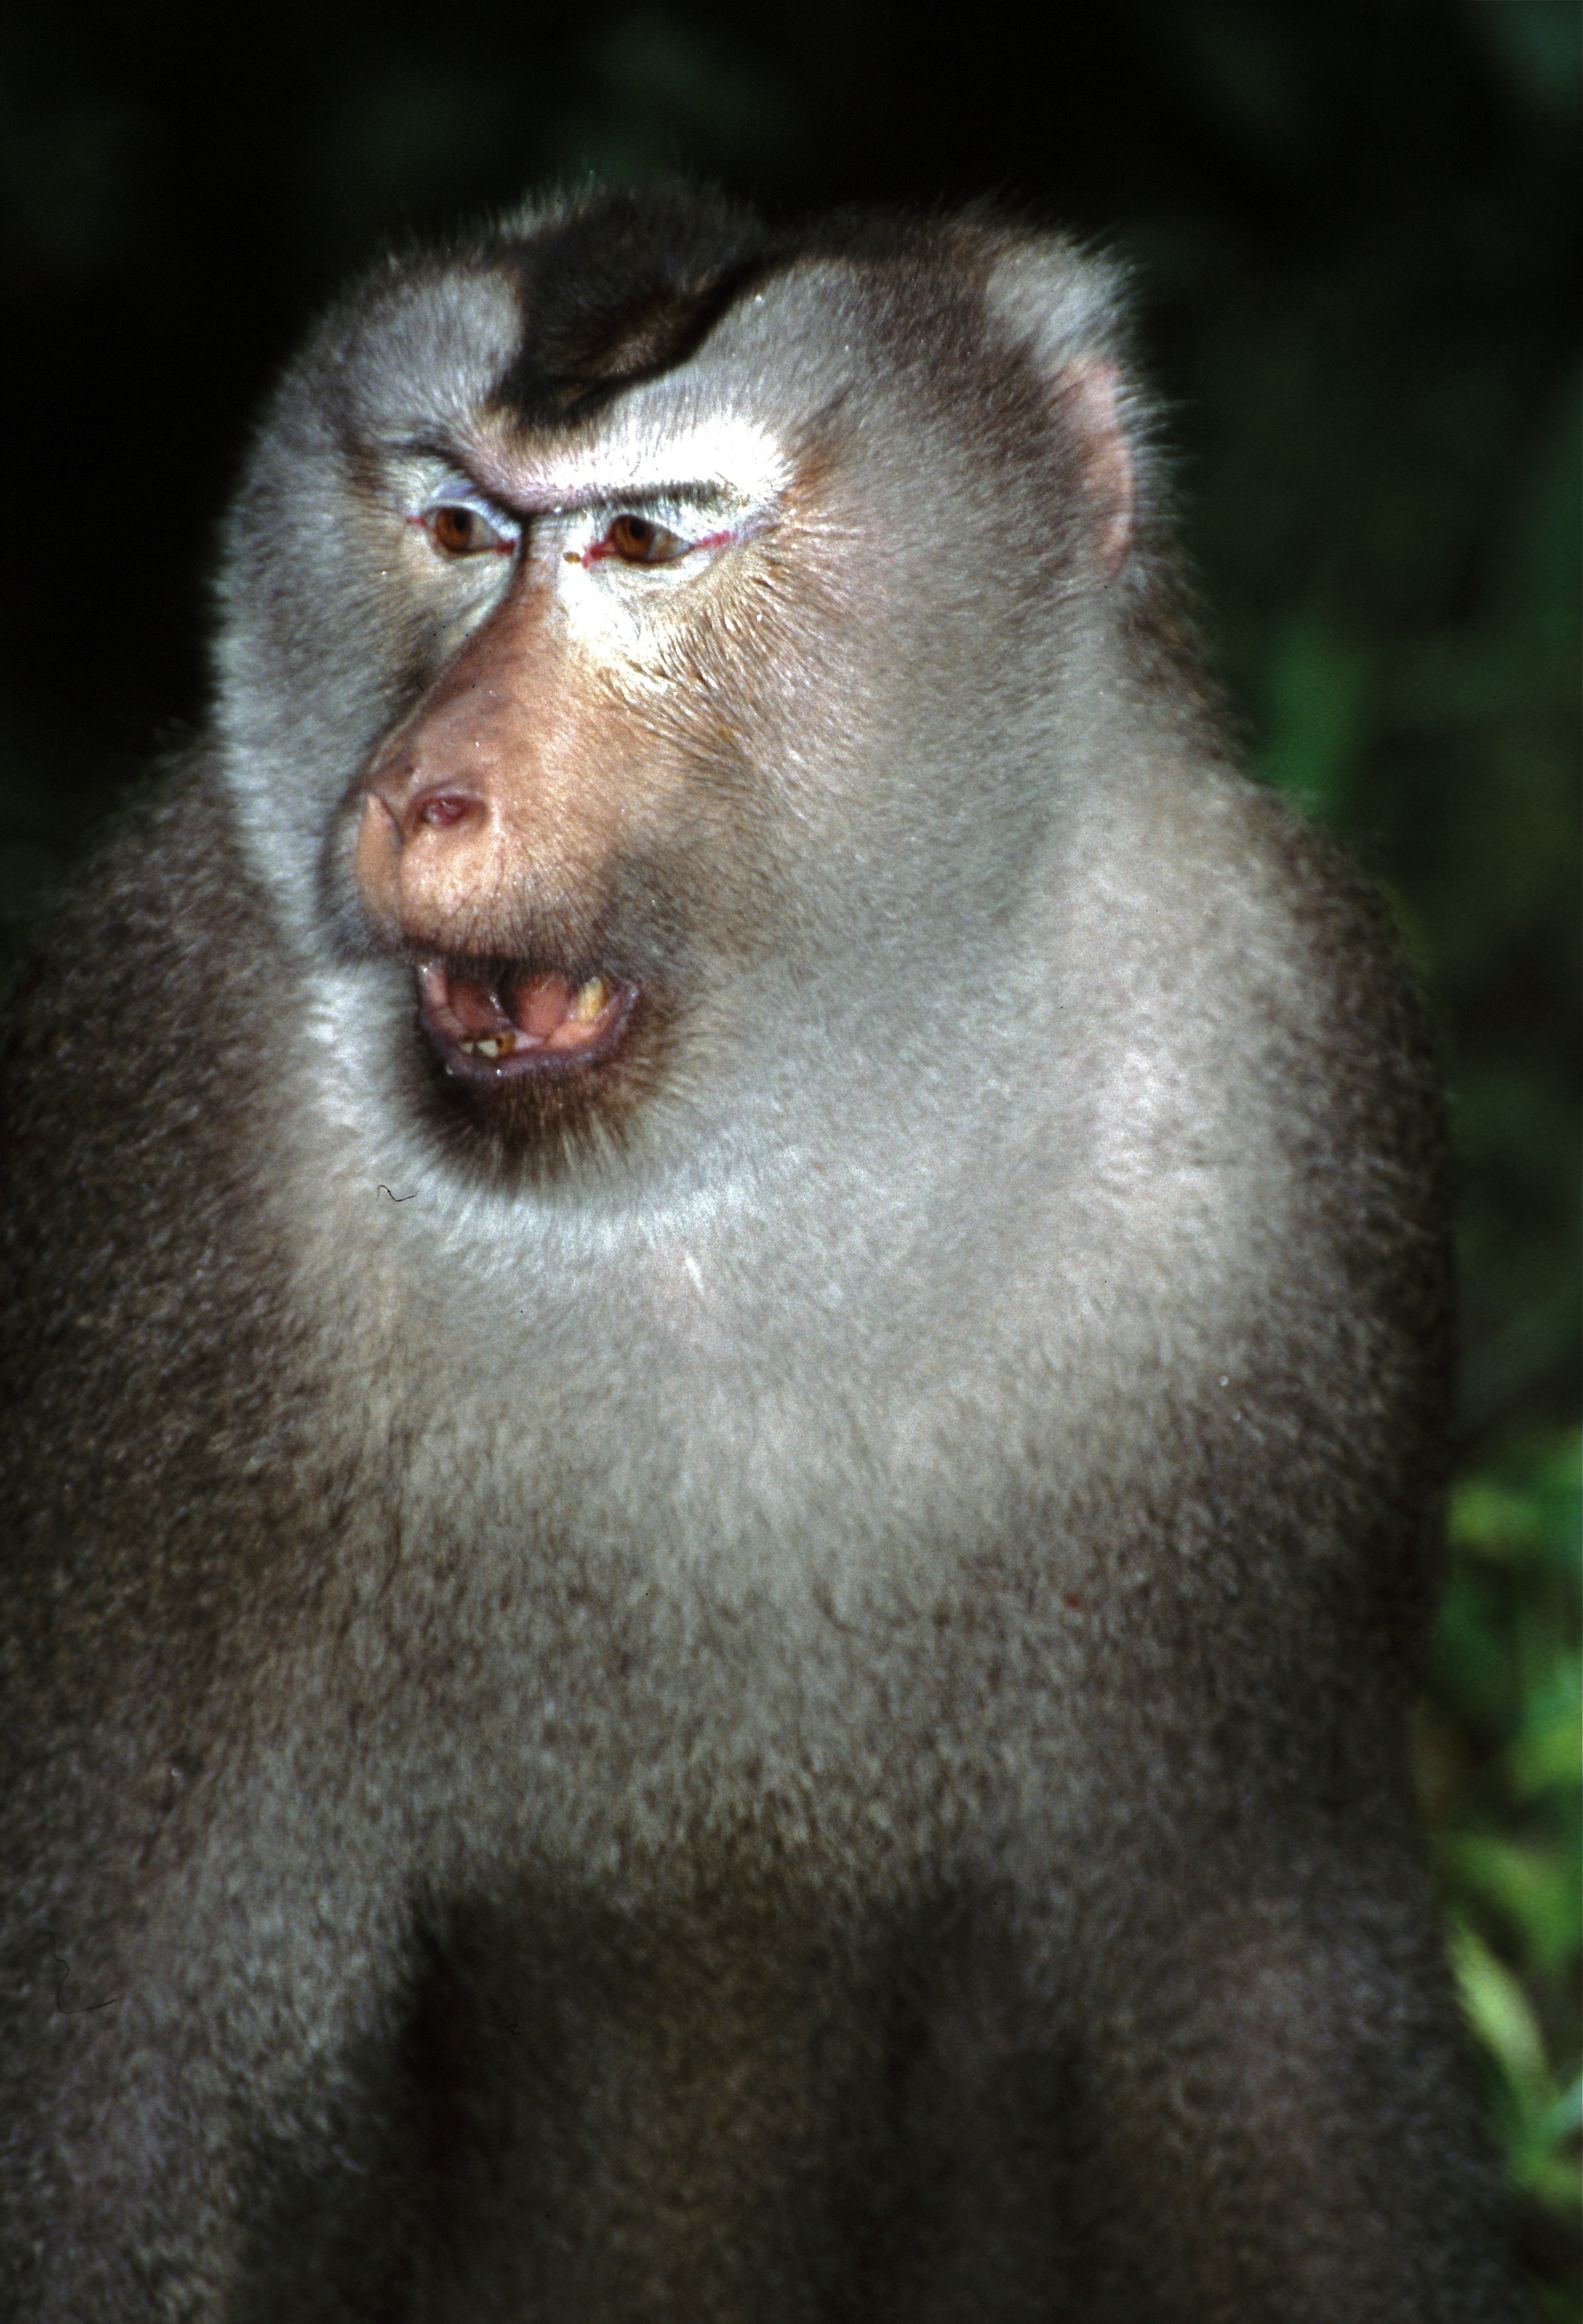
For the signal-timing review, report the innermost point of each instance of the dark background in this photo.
(1355, 225)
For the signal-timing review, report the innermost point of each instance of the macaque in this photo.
(726, 1349)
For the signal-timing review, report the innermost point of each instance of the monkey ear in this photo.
(1066, 311)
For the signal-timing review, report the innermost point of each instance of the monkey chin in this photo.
(530, 1071)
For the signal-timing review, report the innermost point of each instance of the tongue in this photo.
(539, 1004)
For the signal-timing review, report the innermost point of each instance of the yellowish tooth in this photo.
(591, 999)
(492, 1045)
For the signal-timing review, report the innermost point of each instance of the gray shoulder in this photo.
(126, 975)
(135, 1070)
(1254, 924)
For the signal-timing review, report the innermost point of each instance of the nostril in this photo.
(441, 809)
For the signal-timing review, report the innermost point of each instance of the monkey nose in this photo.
(439, 811)
(419, 798)
(415, 842)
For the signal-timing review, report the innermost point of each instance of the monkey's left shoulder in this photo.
(1232, 1001)
(1292, 933)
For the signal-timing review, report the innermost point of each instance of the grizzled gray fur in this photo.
(725, 1317)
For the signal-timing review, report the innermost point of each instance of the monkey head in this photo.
(628, 627)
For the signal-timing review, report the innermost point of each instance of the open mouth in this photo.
(494, 1026)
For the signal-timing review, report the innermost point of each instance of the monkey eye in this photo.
(459, 530)
(636, 541)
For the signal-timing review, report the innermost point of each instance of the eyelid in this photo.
(460, 491)
(501, 519)
(470, 494)
(497, 532)
(694, 527)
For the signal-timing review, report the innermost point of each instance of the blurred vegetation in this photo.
(1501, 1746)
(1356, 225)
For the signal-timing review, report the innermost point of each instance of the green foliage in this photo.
(1502, 1764)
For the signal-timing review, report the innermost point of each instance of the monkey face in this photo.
(555, 750)
(627, 667)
